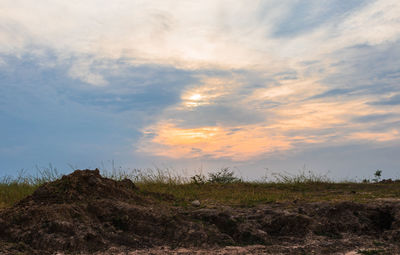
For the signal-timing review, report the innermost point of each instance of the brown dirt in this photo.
(84, 213)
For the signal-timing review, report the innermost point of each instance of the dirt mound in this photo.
(83, 185)
(84, 212)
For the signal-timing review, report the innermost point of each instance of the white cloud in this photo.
(81, 69)
(191, 34)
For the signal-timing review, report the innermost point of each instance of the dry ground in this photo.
(84, 213)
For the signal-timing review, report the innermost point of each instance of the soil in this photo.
(84, 213)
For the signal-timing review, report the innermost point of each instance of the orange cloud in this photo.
(376, 136)
(288, 125)
(239, 143)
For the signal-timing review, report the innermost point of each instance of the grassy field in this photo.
(250, 194)
(219, 188)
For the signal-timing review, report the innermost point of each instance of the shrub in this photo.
(198, 179)
(223, 176)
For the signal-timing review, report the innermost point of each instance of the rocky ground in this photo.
(84, 213)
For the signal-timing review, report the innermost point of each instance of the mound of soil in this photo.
(86, 213)
(83, 185)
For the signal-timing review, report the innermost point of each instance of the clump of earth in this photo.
(84, 213)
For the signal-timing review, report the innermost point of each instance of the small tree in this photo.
(378, 175)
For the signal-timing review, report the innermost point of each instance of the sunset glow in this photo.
(239, 143)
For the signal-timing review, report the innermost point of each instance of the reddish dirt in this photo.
(84, 213)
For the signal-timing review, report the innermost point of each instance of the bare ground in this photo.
(84, 213)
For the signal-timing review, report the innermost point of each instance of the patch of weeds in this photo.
(377, 243)
(182, 204)
(303, 177)
(332, 235)
(370, 252)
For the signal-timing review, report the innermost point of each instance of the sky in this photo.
(257, 86)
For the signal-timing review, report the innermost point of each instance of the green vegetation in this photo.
(224, 176)
(370, 252)
(14, 189)
(221, 187)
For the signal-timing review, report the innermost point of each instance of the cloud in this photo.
(374, 117)
(377, 136)
(304, 17)
(146, 89)
(309, 109)
(215, 141)
(332, 93)
(81, 69)
(392, 100)
(193, 35)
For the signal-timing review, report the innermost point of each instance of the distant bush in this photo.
(377, 177)
(223, 176)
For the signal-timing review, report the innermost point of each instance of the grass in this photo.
(216, 189)
(250, 194)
